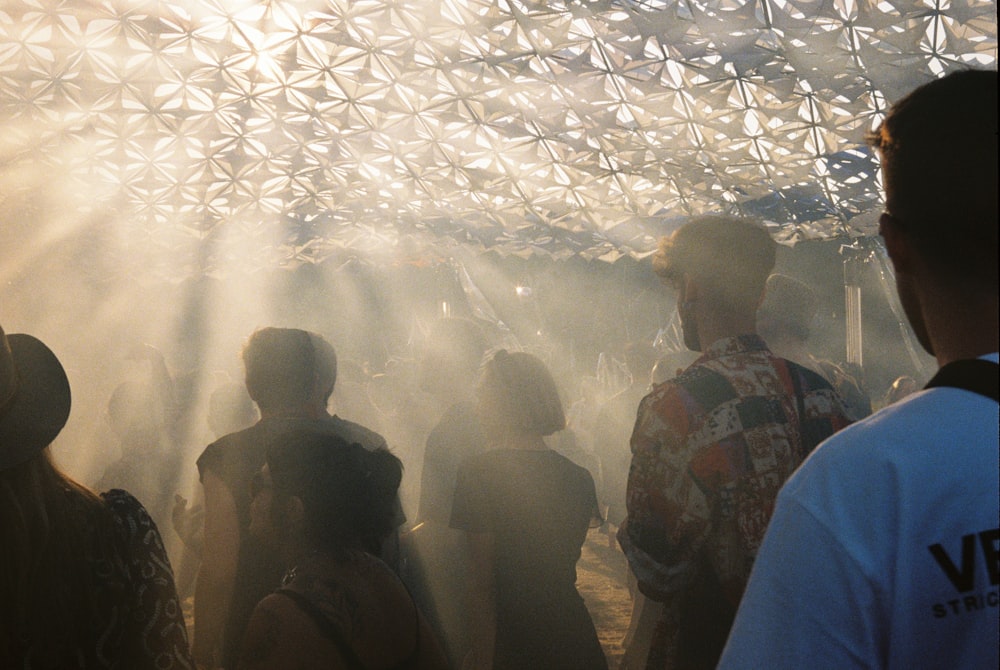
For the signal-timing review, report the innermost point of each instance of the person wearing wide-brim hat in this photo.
(84, 579)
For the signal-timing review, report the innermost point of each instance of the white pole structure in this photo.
(854, 261)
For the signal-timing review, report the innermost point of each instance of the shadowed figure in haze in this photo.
(141, 413)
(614, 426)
(645, 612)
(785, 319)
(711, 447)
(884, 550)
(290, 374)
(230, 409)
(321, 502)
(436, 568)
(525, 510)
(84, 578)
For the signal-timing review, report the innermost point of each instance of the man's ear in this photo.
(897, 244)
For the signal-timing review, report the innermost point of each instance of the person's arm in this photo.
(218, 569)
(668, 514)
(189, 524)
(482, 602)
(161, 383)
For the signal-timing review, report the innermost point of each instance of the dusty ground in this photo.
(601, 582)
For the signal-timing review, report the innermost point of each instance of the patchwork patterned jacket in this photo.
(710, 450)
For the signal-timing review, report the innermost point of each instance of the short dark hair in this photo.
(730, 256)
(348, 493)
(280, 366)
(524, 392)
(939, 162)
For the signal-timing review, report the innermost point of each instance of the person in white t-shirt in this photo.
(884, 547)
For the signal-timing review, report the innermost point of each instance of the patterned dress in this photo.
(137, 622)
(710, 450)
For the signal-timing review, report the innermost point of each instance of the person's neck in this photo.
(962, 327)
(292, 413)
(714, 326)
(524, 441)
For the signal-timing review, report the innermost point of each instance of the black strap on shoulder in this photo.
(976, 375)
(326, 626)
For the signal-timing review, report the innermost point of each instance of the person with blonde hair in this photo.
(84, 578)
(525, 510)
(711, 447)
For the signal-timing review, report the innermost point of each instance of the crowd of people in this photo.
(767, 517)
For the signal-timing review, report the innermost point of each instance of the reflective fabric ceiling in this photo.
(186, 133)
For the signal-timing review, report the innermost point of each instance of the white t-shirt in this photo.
(884, 547)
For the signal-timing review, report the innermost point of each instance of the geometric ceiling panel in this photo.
(187, 135)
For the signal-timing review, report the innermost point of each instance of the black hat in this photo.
(34, 398)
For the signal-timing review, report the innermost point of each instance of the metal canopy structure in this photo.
(181, 136)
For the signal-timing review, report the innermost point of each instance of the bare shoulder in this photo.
(278, 637)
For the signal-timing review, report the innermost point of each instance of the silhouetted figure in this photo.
(614, 427)
(883, 547)
(84, 578)
(140, 413)
(436, 568)
(785, 319)
(449, 370)
(351, 398)
(322, 503)
(230, 409)
(711, 448)
(581, 417)
(525, 510)
(646, 612)
(290, 374)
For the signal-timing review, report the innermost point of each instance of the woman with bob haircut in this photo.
(525, 510)
(84, 578)
(325, 506)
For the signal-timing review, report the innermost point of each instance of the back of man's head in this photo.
(939, 162)
(281, 368)
(730, 258)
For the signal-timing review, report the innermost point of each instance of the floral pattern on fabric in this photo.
(710, 450)
(150, 623)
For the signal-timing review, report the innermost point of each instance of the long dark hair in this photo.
(349, 494)
(48, 525)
